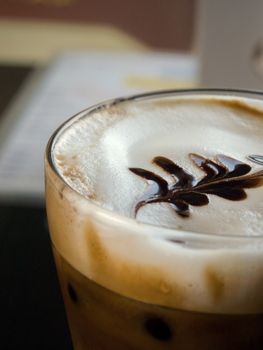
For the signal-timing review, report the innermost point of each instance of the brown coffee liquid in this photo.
(103, 320)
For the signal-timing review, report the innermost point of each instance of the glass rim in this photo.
(140, 97)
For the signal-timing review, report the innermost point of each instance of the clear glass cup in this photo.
(119, 301)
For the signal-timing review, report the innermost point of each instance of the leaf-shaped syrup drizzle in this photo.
(225, 177)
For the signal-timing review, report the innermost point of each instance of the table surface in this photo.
(32, 308)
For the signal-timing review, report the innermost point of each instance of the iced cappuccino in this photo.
(155, 208)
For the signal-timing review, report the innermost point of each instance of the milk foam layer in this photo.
(95, 155)
(160, 263)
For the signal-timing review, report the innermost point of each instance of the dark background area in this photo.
(32, 310)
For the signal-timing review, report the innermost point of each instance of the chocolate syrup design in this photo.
(225, 177)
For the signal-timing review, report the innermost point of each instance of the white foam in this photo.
(102, 147)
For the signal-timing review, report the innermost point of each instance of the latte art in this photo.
(225, 178)
(200, 143)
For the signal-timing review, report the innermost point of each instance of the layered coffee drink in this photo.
(155, 209)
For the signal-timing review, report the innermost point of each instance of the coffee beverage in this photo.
(155, 208)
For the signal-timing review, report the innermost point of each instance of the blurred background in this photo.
(54, 56)
(159, 24)
(33, 31)
(60, 56)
